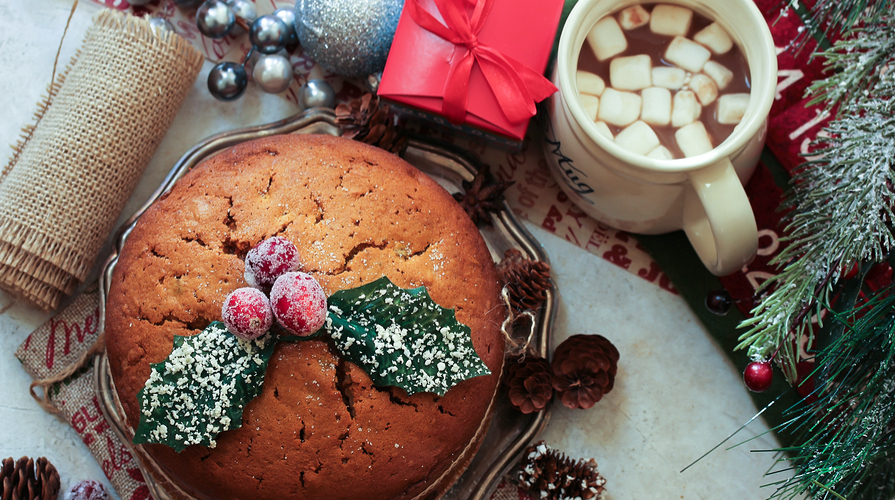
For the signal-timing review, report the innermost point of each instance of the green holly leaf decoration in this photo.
(201, 388)
(402, 337)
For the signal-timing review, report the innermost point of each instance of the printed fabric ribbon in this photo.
(516, 86)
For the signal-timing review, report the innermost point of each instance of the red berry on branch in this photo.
(758, 376)
(270, 259)
(299, 303)
(246, 313)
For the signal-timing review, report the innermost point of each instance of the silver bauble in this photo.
(244, 10)
(159, 24)
(348, 37)
(268, 34)
(227, 81)
(316, 94)
(273, 73)
(215, 19)
(287, 15)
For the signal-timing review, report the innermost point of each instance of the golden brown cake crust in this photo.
(319, 429)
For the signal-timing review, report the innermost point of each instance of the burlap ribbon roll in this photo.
(76, 167)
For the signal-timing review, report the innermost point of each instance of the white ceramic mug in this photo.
(703, 195)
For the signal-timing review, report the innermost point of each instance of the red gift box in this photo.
(477, 64)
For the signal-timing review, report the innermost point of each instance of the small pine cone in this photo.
(550, 475)
(26, 479)
(368, 120)
(584, 368)
(530, 383)
(527, 280)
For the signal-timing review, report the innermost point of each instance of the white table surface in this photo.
(675, 397)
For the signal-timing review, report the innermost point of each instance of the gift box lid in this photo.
(420, 61)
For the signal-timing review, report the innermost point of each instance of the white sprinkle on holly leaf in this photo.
(201, 388)
(402, 337)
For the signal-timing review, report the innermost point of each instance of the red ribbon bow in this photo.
(516, 86)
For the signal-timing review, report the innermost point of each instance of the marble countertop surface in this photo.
(676, 394)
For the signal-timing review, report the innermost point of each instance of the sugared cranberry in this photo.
(87, 489)
(299, 303)
(269, 260)
(758, 376)
(246, 313)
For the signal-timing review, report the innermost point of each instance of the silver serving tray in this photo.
(509, 433)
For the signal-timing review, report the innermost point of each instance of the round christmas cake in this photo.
(320, 429)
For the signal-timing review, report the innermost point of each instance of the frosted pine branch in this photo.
(832, 18)
(841, 214)
(861, 68)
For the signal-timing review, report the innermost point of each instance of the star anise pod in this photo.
(482, 196)
(550, 475)
(527, 280)
(368, 120)
(584, 368)
(26, 479)
(530, 383)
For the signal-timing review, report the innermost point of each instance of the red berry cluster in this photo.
(296, 299)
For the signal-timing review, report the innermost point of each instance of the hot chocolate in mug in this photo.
(703, 194)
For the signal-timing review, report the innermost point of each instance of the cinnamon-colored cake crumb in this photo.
(319, 430)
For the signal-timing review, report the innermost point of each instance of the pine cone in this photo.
(368, 120)
(530, 383)
(550, 475)
(26, 480)
(584, 368)
(482, 196)
(527, 280)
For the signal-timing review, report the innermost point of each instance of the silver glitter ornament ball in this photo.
(273, 73)
(348, 37)
(268, 34)
(215, 19)
(316, 94)
(227, 81)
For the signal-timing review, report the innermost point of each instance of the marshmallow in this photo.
(687, 54)
(693, 139)
(604, 129)
(591, 104)
(685, 108)
(668, 77)
(656, 106)
(715, 38)
(639, 138)
(732, 108)
(606, 38)
(630, 73)
(670, 20)
(705, 89)
(619, 108)
(660, 153)
(589, 83)
(633, 17)
(717, 72)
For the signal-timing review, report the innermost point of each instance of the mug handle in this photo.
(718, 219)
